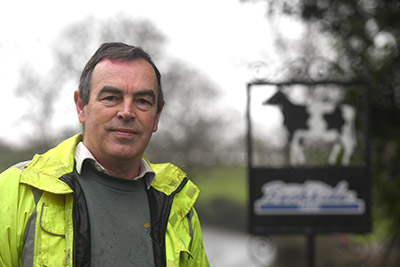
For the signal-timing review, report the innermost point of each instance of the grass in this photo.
(223, 196)
(223, 182)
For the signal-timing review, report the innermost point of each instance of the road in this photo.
(232, 249)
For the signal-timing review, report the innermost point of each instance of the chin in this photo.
(124, 154)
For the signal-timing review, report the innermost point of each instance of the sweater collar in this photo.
(82, 153)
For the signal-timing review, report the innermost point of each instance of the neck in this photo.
(123, 168)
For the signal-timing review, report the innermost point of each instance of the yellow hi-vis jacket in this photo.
(44, 219)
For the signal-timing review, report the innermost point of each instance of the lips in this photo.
(124, 132)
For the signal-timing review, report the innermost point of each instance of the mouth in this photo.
(124, 132)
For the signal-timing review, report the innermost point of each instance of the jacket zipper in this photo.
(165, 216)
(74, 264)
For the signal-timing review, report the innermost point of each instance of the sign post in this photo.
(308, 158)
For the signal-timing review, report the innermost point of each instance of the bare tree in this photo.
(192, 122)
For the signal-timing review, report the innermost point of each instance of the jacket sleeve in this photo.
(16, 205)
(197, 248)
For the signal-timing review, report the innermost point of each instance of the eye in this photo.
(144, 104)
(110, 100)
(144, 101)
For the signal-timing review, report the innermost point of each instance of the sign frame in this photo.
(355, 193)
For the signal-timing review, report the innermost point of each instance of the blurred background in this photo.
(207, 52)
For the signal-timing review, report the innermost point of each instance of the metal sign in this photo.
(308, 157)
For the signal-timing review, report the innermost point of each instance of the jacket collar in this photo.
(44, 171)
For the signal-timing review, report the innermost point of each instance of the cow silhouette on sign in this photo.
(321, 121)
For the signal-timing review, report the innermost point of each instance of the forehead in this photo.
(133, 73)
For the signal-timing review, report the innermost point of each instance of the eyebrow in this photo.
(108, 89)
(146, 92)
(113, 90)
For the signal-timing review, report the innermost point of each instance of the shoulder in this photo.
(43, 170)
(170, 178)
(11, 176)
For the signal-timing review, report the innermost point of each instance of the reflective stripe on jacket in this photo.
(44, 220)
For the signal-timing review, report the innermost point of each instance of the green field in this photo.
(223, 196)
(226, 182)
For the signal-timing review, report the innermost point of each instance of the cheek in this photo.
(98, 116)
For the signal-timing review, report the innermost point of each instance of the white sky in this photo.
(230, 35)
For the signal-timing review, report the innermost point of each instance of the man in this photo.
(94, 200)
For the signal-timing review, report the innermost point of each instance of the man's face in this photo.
(121, 114)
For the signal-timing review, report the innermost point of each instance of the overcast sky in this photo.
(232, 35)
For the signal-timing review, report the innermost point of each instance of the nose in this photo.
(126, 111)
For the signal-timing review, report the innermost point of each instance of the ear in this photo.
(155, 128)
(79, 107)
